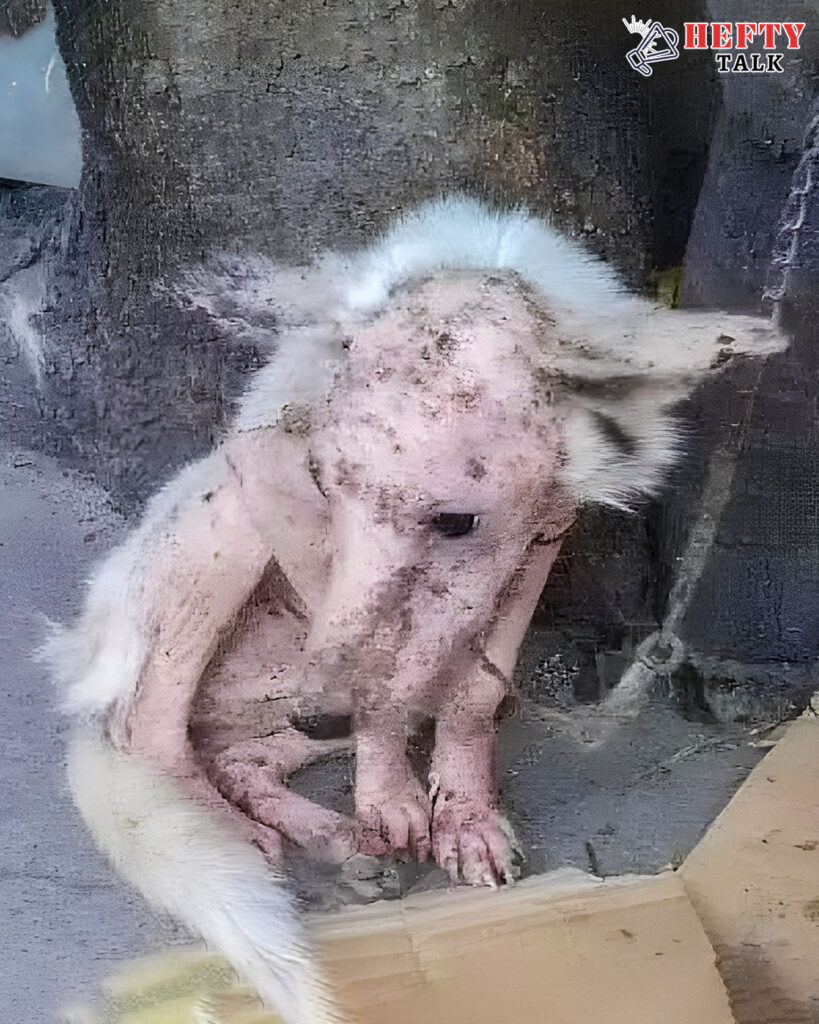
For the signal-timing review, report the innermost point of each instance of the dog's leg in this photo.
(392, 806)
(197, 567)
(253, 776)
(470, 838)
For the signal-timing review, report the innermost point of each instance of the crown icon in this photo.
(637, 27)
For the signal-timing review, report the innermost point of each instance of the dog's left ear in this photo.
(679, 346)
(618, 376)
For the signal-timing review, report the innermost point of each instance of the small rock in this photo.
(360, 867)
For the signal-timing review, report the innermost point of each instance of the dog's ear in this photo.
(678, 346)
(289, 313)
(616, 380)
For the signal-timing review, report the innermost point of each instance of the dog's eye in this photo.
(454, 524)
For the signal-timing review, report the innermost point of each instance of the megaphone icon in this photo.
(643, 56)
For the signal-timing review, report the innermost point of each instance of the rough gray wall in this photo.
(18, 16)
(290, 127)
(751, 630)
(752, 627)
(28, 214)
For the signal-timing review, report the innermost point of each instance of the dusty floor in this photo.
(635, 802)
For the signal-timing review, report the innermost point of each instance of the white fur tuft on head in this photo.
(308, 312)
(602, 331)
(460, 233)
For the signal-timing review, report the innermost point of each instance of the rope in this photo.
(661, 653)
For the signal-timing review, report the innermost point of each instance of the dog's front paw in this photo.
(264, 838)
(273, 811)
(476, 846)
(395, 823)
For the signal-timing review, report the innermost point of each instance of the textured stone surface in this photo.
(757, 600)
(65, 917)
(288, 129)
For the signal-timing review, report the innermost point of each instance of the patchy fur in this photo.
(602, 332)
(370, 540)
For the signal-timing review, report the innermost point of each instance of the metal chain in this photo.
(794, 213)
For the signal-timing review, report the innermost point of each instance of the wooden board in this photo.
(754, 881)
(561, 948)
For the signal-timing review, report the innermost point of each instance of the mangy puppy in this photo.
(370, 539)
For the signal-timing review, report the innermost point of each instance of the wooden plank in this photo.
(754, 881)
(561, 948)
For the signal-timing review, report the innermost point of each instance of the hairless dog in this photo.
(368, 541)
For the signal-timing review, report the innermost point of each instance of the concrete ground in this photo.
(65, 917)
(635, 802)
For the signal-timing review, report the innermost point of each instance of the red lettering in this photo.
(695, 35)
(770, 30)
(793, 30)
(721, 35)
(746, 30)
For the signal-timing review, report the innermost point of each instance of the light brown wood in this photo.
(754, 881)
(561, 948)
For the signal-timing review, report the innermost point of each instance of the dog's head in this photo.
(470, 380)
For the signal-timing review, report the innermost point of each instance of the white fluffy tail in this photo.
(189, 864)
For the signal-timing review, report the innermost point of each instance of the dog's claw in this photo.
(399, 826)
(480, 849)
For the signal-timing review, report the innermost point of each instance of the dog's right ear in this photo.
(290, 314)
(251, 298)
(618, 377)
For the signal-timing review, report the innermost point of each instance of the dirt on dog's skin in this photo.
(640, 801)
(374, 597)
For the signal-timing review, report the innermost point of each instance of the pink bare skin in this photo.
(378, 554)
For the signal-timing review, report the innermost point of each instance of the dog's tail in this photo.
(189, 864)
